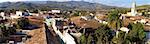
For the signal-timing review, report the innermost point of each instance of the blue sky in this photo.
(120, 3)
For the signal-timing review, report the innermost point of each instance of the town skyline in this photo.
(74, 22)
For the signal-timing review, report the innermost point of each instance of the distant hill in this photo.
(78, 5)
(144, 7)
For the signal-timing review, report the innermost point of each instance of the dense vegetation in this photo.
(106, 34)
(114, 20)
(22, 23)
(6, 30)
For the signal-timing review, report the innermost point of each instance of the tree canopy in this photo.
(114, 20)
(23, 22)
(6, 30)
(136, 33)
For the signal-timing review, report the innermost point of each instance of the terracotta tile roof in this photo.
(38, 36)
(136, 17)
(102, 17)
(85, 24)
(127, 21)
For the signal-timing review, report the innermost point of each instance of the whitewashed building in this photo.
(2, 14)
(14, 16)
(55, 11)
(34, 14)
(19, 13)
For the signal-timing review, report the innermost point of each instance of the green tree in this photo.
(113, 20)
(136, 33)
(103, 35)
(120, 39)
(145, 13)
(23, 22)
(89, 39)
(81, 13)
(76, 14)
(6, 31)
(83, 39)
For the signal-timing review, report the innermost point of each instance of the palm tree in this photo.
(113, 20)
(115, 23)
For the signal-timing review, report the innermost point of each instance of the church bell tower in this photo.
(133, 8)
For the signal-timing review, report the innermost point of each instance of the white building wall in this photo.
(55, 11)
(19, 13)
(2, 14)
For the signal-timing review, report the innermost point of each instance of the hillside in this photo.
(144, 7)
(78, 5)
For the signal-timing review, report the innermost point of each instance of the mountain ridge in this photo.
(53, 4)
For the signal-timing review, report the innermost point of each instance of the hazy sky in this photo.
(121, 3)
